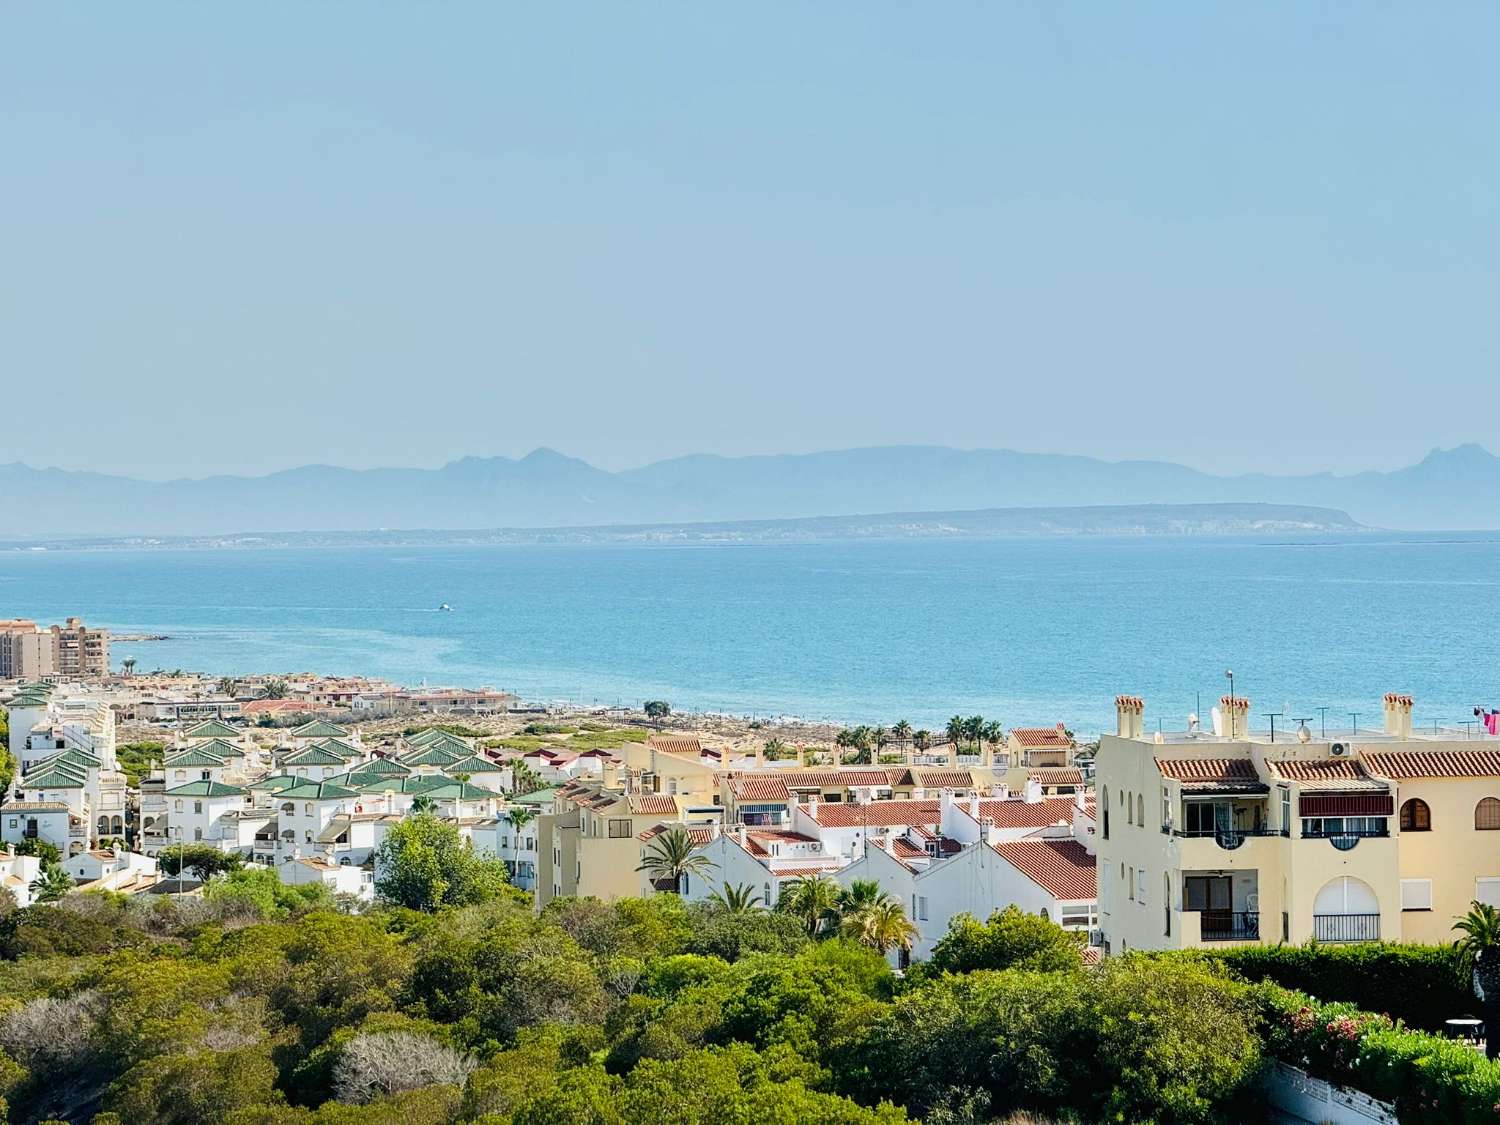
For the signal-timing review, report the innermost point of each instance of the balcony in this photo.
(1347, 839)
(1335, 928)
(1226, 838)
(1229, 925)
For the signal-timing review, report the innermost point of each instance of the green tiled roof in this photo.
(539, 797)
(320, 728)
(429, 736)
(193, 756)
(212, 728)
(431, 756)
(206, 789)
(79, 759)
(222, 747)
(314, 755)
(276, 782)
(52, 777)
(317, 791)
(474, 764)
(343, 749)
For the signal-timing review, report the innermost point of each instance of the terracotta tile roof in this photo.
(835, 778)
(1434, 763)
(876, 814)
(1062, 868)
(943, 779)
(1016, 813)
(1212, 773)
(1324, 773)
(700, 835)
(653, 804)
(759, 788)
(1056, 775)
(675, 744)
(1038, 737)
(902, 848)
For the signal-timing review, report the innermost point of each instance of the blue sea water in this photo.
(1034, 630)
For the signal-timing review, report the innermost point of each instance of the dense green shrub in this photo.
(1428, 1077)
(1423, 985)
(1011, 939)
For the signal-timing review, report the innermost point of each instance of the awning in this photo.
(1345, 804)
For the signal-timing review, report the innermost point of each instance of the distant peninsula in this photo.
(1124, 520)
(1448, 490)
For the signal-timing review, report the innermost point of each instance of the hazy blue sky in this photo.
(239, 238)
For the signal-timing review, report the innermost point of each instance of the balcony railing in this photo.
(1346, 927)
(1358, 834)
(1226, 838)
(1229, 925)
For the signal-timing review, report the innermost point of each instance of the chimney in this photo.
(953, 755)
(1033, 791)
(1236, 715)
(986, 755)
(760, 755)
(801, 755)
(945, 802)
(1078, 801)
(812, 806)
(739, 834)
(987, 830)
(1128, 715)
(974, 805)
(611, 774)
(1398, 714)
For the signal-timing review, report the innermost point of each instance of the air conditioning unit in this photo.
(1340, 749)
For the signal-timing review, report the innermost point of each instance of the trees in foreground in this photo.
(424, 864)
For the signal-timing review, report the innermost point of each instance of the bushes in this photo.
(382, 1063)
(1165, 1041)
(1009, 940)
(1423, 985)
(1428, 1077)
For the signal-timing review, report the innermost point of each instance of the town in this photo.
(1215, 836)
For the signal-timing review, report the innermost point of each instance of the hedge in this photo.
(1421, 985)
(1428, 1077)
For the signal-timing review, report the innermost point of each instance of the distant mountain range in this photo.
(1449, 489)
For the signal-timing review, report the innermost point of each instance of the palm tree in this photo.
(812, 898)
(524, 779)
(1480, 947)
(520, 816)
(922, 739)
(901, 730)
(422, 803)
(956, 730)
(741, 899)
(51, 884)
(228, 685)
(860, 894)
(129, 665)
(974, 730)
(774, 749)
(274, 689)
(672, 857)
(994, 733)
(880, 925)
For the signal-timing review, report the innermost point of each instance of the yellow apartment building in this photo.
(1207, 839)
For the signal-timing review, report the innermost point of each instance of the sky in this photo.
(1241, 237)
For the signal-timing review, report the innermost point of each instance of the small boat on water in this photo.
(445, 608)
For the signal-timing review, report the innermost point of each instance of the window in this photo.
(1488, 891)
(1140, 889)
(1131, 884)
(619, 829)
(1487, 815)
(307, 808)
(1166, 806)
(198, 806)
(1416, 894)
(1416, 816)
(921, 908)
(1129, 808)
(1140, 809)
(177, 806)
(1104, 806)
(197, 833)
(1166, 902)
(1286, 808)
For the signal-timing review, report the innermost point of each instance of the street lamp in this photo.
(1229, 675)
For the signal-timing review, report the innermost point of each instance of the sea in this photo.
(1025, 630)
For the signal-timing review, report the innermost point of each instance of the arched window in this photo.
(1487, 815)
(1416, 816)
(288, 807)
(1104, 809)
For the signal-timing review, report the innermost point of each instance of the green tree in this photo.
(901, 730)
(202, 861)
(229, 686)
(422, 803)
(814, 899)
(524, 779)
(49, 853)
(657, 710)
(1010, 939)
(672, 856)
(880, 925)
(956, 730)
(740, 899)
(51, 884)
(275, 689)
(205, 1086)
(423, 863)
(922, 739)
(1480, 946)
(520, 816)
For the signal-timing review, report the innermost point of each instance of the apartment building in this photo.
(79, 652)
(26, 651)
(1244, 836)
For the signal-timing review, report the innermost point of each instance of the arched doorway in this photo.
(1346, 909)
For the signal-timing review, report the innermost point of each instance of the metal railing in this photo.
(1229, 925)
(1359, 834)
(1346, 927)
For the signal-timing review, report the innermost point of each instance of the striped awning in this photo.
(1345, 804)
